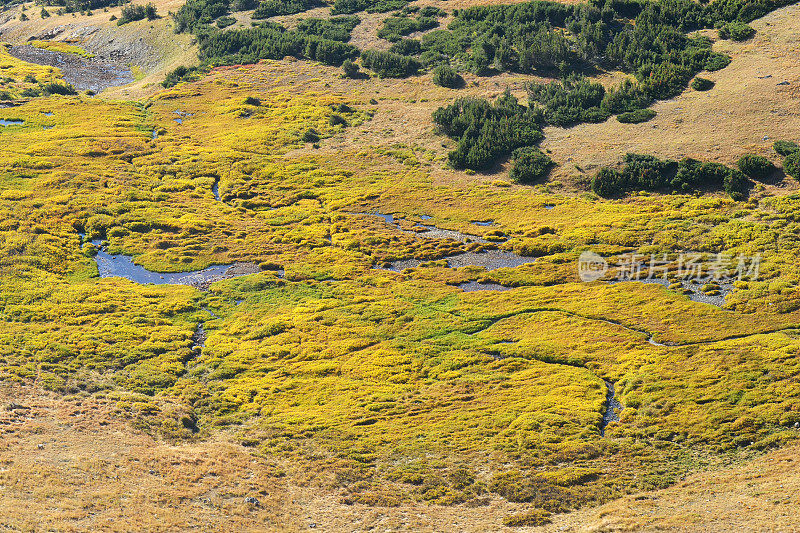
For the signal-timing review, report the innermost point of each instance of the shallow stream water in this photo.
(122, 266)
(93, 74)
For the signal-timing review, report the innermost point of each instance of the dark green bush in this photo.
(572, 100)
(791, 165)
(389, 65)
(432, 11)
(224, 22)
(252, 100)
(609, 183)
(643, 172)
(271, 8)
(702, 84)
(394, 28)
(196, 14)
(270, 41)
(446, 76)
(180, 74)
(243, 5)
(785, 148)
(664, 80)
(716, 62)
(310, 136)
(530, 165)
(336, 120)
(407, 47)
(736, 185)
(134, 12)
(58, 88)
(350, 69)
(345, 7)
(334, 29)
(627, 97)
(736, 31)
(636, 117)
(756, 166)
(487, 131)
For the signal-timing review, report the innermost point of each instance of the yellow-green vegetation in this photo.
(17, 76)
(389, 386)
(63, 47)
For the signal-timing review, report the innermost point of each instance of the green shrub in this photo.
(626, 98)
(785, 148)
(310, 136)
(252, 100)
(270, 41)
(271, 8)
(665, 80)
(335, 29)
(350, 69)
(407, 47)
(717, 61)
(574, 99)
(736, 31)
(394, 28)
(58, 88)
(180, 74)
(756, 166)
(336, 120)
(224, 22)
(135, 12)
(736, 185)
(636, 117)
(389, 65)
(608, 183)
(644, 172)
(791, 165)
(341, 7)
(530, 165)
(446, 76)
(702, 84)
(488, 131)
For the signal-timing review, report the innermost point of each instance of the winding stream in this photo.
(691, 289)
(122, 266)
(612, 408)
(489, 259)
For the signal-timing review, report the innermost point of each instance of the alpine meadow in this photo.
(400, 265)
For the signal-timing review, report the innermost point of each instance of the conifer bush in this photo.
(785, 148)
(756, 166)
(530, 165)
(446, 76)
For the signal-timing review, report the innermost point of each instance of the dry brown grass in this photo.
(71, 464)
(761, 495)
